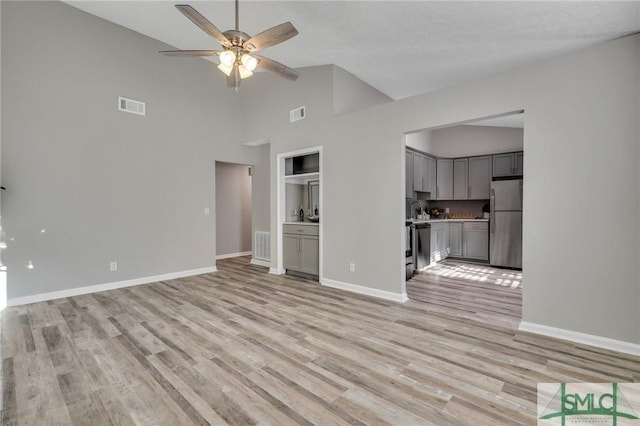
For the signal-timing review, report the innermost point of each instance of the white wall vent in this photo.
(297, 114)
(132, 106)
(262, 249)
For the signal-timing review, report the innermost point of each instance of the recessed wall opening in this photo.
(464, 191)
(233, 209)
(300, 210)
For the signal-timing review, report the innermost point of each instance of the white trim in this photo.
(260, 262)
(77, 291)
(367, 291)
(230, 255)
(277, 271)
(583, 338)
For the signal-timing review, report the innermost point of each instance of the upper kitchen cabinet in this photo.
(480, 178)
(417, 171)
(408, 163)
(420, 173)
(460, 179)
(506, 165)
(431, 180)
(445, 179)
(519, 163)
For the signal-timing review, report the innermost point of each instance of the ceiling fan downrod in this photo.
(237, 15)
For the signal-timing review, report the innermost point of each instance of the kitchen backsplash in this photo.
(454, 206)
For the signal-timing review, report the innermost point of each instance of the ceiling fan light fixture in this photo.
(226, 68)
(236, 59)
(244, 72)
(227, 57)
(249, 62)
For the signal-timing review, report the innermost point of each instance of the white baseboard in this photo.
(381, 294)
(77, 291)
(583, 338)
(230, 255)
(276, 271)
(260, 262)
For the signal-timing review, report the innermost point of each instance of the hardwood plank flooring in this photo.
(243, 347)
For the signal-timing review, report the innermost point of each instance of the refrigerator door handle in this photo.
(493, 210)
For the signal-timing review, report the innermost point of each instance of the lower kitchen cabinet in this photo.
(455, 239)
(475, 240)
(439, 241)
(301, 251)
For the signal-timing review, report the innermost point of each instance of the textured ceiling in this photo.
(400, 48)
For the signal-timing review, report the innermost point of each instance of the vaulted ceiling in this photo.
(402, 48)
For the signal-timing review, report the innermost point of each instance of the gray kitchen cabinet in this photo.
(505, 165)
(417, 171)
(408, 174)
(519, 163)
(444, 179)
(439, 241)
(479, 178)
(301, 251)
(460, 178)
(475, 240)
(429, 176)
(433, 177)
(291, 254)
(309, 255)
(455, 239)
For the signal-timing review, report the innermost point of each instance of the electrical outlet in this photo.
(207, 211)
(113, 266)
(352, 267)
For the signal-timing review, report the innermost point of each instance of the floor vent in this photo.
(297, 114)
(262, 246)
(132, 106)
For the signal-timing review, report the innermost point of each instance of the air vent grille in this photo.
(297, 114)
(132, 106)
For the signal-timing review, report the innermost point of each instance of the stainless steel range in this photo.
(409, 262)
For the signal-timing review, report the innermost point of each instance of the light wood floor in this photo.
(244, 347)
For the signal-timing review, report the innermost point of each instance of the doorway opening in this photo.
(453, 175)
(233, 207)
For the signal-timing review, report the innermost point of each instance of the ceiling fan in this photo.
(237, 59)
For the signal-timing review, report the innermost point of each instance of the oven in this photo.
(409, 258)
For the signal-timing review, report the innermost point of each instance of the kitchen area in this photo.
(464, 207)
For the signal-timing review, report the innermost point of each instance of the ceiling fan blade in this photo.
(203, 23)
(271, 37)
(191, 52)
(233, 80)
(277, 68)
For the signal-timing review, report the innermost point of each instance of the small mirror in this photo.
(314, 200)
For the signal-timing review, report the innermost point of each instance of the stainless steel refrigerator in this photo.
(506, 223)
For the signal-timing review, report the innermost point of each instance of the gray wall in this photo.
(109, 186)
(260, 190)
(467, 140)
(351, 94)
(293, 200)
(233, 208)
(581, 141)
(106, 185)
(421, 141)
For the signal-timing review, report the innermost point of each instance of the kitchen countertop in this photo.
(446, 220)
